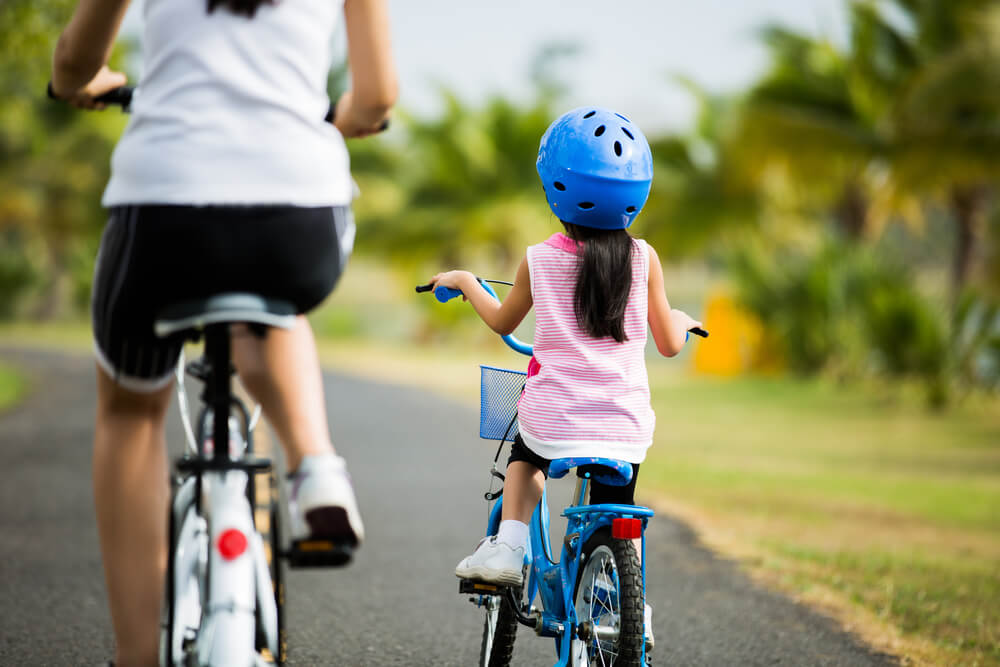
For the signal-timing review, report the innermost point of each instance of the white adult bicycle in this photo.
(224, 594)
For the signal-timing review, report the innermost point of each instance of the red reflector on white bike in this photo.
(232, 543)
(626, 529)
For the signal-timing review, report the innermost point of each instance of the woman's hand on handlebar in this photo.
(355, 123)
(103, 82)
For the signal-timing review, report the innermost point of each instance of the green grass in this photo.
(12, 386)
(854, 490)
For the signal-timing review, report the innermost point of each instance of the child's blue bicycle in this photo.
(593, 598)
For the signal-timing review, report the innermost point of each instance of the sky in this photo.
(629, 50)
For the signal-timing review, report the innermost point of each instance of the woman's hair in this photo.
(604, 281)
(245, 7)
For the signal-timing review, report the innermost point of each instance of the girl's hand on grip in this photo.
(683, 321)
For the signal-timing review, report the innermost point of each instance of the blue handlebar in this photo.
(444, 294)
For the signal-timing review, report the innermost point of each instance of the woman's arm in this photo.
(363, 108)
(504, 317)
(79, 65)
(669, 326)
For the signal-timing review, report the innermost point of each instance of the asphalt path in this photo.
(420, 472)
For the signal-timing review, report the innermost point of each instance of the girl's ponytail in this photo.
(604, 281)
(246, 7)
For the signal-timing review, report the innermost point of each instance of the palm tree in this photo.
(906, 116)
(697, 198)
(461, 182)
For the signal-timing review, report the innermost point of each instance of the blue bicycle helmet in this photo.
(596, 168)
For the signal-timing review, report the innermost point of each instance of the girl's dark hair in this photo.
(246, 7)
(604, 281)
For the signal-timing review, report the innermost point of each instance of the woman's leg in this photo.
(281, 371)
(131, 496)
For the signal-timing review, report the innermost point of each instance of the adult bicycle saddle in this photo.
(228, 307)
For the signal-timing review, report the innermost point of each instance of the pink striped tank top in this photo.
(591, 395)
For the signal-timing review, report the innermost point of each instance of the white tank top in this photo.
(230, 110)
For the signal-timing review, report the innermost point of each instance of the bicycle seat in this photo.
(229, 307)
(606, 471)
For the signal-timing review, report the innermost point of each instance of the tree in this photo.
(53, 159)
(904, 118)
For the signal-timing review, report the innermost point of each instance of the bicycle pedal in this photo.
(471, 586)
(318, 553)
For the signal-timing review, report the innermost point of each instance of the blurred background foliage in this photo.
(845, 204)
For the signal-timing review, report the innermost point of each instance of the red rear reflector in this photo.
(626, 529)
(232, 543)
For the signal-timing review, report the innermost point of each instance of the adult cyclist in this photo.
(226, 179)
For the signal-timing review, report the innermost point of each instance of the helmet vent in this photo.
(630, 209)
(618, 148)
(623, 118)
(588, 115)
(628, 134)
(586, 205)
(599, 131)
(559, 186)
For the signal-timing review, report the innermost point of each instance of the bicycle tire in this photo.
(176, 523)
(499, 632)
(167, 623)
(610, 570)
(272, 538)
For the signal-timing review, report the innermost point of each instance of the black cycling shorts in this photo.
(154, 256)
(599, 493)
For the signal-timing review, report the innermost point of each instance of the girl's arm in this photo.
(501, 317)
(669, 326)
(79, 65)
(362, 109)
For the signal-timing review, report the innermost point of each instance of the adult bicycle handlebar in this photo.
(123, 97)
(120, 96)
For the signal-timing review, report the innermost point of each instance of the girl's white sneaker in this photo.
(494, 562)
(321, 501)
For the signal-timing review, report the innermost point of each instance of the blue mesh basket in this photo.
(499, 393)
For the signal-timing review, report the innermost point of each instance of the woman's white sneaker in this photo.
(494, 562)
(321, 501)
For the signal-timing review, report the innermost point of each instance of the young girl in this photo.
(594, 288)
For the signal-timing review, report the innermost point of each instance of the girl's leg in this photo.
(281, 371)
(522, 491)
(131, 497)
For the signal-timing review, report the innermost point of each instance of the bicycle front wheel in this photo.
(499, 631)
(609, 604)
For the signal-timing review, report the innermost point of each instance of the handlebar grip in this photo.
(698, 331)
(441, 292)
(446, 293)
(120, 96)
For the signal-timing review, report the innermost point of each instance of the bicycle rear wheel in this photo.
(499, 631)
(609, 604)
(188, 553)
(269, 531)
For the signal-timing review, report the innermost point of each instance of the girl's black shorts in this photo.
(153, 256)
